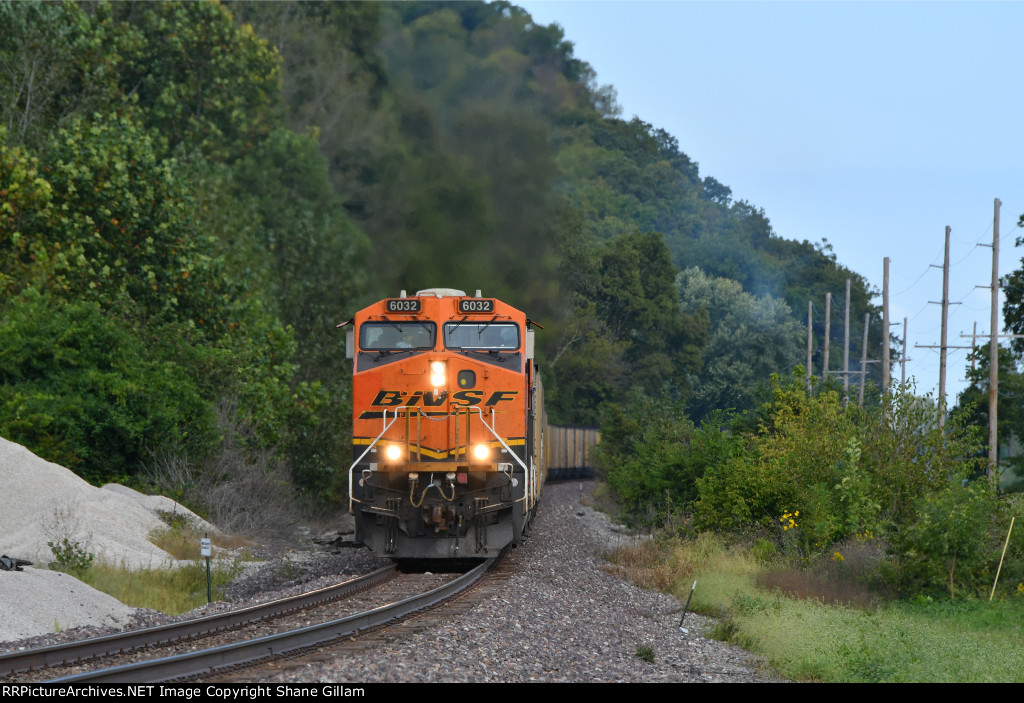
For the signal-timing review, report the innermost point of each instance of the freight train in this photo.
(448, 425)
(569, 451)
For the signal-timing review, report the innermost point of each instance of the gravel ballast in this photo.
(560, 618)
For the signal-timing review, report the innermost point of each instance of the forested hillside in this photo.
(193, 195)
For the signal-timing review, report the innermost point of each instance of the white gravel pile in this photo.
(37, 601)
(44, 502)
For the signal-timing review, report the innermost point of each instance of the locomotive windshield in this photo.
(481, 335)
(390, 336)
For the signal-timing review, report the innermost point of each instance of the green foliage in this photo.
(199, 79)
(764, 551)
(974, 402)
(823, 472)
(654, 457)
(908, 454)
(818, 472)
(138, 296)
(26, 203)
(172, 590)
(645, 652)
(80, 388)
(749, 339)
(70, 557)
(57, 60)
(312, 254)
(792, 466)
(121, 226)
(951, 540)
(627, 324)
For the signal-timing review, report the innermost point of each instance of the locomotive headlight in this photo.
(481, 452)
(393, 452)
(437, 374)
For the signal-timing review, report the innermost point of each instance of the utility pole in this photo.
(864, 360)
(828, 332)
(904, 359)
(810, 341)
(943, 346)
(974, 345)
(942, 341)
(885, 326)
(846, 345)
(993, 351)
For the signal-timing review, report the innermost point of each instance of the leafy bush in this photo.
(70, 557)
(654, 456)
(950, 541)
(819, 474)
(79, 388)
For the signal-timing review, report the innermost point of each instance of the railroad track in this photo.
(67, 659)
(36, 662)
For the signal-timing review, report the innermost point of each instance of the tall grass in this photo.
(893, 643)
(180, 538)
(816, 629)
(172, 590)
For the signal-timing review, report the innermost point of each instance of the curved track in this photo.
(205, 662)
(71, 652)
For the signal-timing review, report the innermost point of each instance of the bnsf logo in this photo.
(392, 398)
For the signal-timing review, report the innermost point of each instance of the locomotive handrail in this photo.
(526, 470)
(387, 426)
(498, 437)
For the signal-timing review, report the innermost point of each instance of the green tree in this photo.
(121, 227)
(80, 388)
(748, 339)
(57, 60)
(845, 469)
(974, 402)
(198, 78)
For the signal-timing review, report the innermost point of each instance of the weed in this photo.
(289, 571)
(645, 652)
(68, 541)
(785, 614)
(174, 519)
(70, 557)
(750, 604)
(764, 550)
(865, 663)
(724, 630)
(650, 565)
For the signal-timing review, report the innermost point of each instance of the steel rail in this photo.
(56, 655)
(209, 660)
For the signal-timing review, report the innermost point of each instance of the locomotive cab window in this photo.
(500, 336)
(397, 336)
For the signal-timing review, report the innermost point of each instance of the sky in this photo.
(874, 125)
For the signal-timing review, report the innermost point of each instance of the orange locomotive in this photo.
(448, 425)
